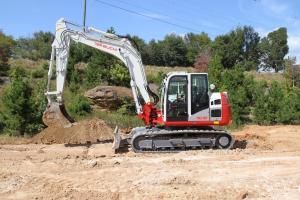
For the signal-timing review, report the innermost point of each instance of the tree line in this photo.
(241, 45)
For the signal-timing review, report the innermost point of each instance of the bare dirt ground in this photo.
(265, 166)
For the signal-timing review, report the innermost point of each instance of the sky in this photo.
(153, 19)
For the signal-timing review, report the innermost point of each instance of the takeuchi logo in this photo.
(99, 44)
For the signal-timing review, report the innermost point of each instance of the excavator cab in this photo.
(187, 99)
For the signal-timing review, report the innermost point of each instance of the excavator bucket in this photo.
(56, 115)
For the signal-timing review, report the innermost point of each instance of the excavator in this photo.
(188, 114)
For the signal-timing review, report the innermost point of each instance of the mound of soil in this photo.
(253, 137)
(83, 132)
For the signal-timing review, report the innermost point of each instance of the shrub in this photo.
(128, 107)
(240, 92)
(80, 106)
(45, 65)
(93, 73)
(17, 103)
(156, 78)
(289, 112)
(119, 75)
(38, 73)
(268, 105)
(6, 44)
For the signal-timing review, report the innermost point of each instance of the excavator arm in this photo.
(112, 44)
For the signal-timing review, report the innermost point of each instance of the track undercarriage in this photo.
(144, 139)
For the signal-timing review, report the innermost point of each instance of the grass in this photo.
(116, 119)
(269, 77)
(156, 69)
(26, 63)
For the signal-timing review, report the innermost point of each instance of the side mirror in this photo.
(212, 87)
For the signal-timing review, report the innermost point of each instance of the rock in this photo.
(117, 163)
(40, 151)
(92, 163)
(108, 97)
(67, 157)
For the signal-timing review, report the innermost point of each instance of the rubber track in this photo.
(153, 133)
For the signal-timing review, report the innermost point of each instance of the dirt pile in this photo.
(267, 137)
(108, 97)
(56, 115)
(83, 132)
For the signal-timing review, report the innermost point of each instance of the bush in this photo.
(80, 106)
(215, 71)
(289, 112)
(128, 107)
(156, 78)
(45, 66)
(75, 81)
(119, 75)
(6, 44)
(94, 73)
(38, 73)
(35, 48)
(20, 114)
(240, 92)
(268, 105)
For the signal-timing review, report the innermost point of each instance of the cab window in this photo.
(199, 93)
(177, 99)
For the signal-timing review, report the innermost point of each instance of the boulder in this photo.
(109, 97)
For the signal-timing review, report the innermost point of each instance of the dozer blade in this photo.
(118, 142)
(56, 115)
(117, 139)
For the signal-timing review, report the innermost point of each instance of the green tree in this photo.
(38, 105)
(23, 104)
(17, 103)
(111, 30)
(274, 47)
(37, 47)
(268, 105)
(140, 46)
(260, 111)
(119, 75)
(239, 88)
(155, 52)
(240, 92)
(95, 72)
(215, 71)
(289, 112)
(196, 43)
(291, 73)
(238, 46)
(80, 106)
(6, 45)
(174, 51)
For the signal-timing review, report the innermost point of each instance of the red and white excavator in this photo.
(189, 109)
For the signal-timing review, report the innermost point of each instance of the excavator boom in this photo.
(106, 42)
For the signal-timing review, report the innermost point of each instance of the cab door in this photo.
(177, 98)
(199, 98)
